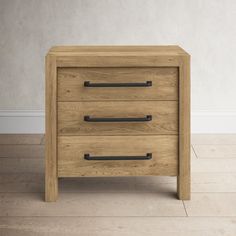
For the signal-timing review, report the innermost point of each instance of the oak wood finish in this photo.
(156, 50)
(51, 179)
(183, 179)
(117, 56)
(212, 206)
(164, 117)
(20, 139)
(66, 101)
(71, 152)
(71, 84)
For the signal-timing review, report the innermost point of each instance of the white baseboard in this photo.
(32, 121)
(21, 121)
(213, 122)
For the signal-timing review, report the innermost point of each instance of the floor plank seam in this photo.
(108, 216)
(23, 144)
(56, 216)
(212, 160)
(214, 144)
(217, 158)
(74, 192)
(194, 151)
(42, 140)
(86, 216)
(185, 209)
(28, 172)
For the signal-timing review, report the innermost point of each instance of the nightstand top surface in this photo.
(168, 50)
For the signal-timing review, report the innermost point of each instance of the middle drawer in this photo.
(118, 118)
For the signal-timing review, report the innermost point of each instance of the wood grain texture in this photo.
(114, 63)
(34, 182)
(119, 60)
(211, 204)
(21, 165)
(22, 151)
(164, 118)
(71, 84)
(213, 139)
(183, 179)
(118, 226)
(11, 139)
(118, 50)
(71, 152)
(91, 204)
(215, 151)
(200, 165)
(51, 181)
(117, 56)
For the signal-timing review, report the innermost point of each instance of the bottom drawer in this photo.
(117, 155)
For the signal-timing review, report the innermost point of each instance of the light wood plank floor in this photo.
(131, 206)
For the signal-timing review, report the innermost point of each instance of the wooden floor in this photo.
(132, 206)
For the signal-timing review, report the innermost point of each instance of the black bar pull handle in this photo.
(117, 158)
(145, 84)
(137, 119)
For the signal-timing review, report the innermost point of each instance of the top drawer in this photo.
(117, 84)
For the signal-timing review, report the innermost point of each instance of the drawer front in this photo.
(118, 118)
(133, 84)
(159, 153)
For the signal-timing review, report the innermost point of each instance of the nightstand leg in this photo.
(183, 178)
(183, 187)
(51, 185)
(51, 177)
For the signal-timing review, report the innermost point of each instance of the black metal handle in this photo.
(89, 84)
(138, 119)
(117, 158)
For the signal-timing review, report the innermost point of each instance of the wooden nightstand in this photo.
(117, 111)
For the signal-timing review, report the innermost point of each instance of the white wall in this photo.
(205, 28)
